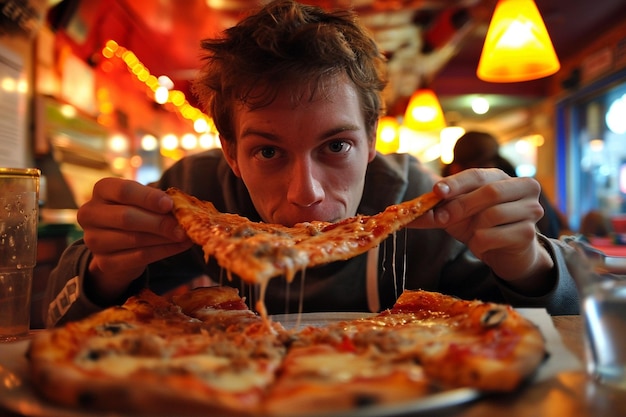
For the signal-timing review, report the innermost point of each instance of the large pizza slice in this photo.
(259, 251)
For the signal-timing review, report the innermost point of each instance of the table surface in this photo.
(568, 393)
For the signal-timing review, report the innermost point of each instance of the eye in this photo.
(267, 153)
(337, 146)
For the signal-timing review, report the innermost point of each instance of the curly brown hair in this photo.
(287, 46)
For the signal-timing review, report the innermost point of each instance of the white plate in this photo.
(17, 393)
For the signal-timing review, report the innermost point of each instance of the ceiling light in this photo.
(447, 139)
(118, 143)
(188, 141)
(388, 135)
(424, 111)
(480, 105)
(200, 125)
(169, 141)
(614, 117)
(517, 46)
(149, 142)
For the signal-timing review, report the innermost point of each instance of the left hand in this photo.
(495, 216)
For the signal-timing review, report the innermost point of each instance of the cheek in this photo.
(263, 187)
(349, 182)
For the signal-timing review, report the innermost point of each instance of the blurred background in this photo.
(93, 88)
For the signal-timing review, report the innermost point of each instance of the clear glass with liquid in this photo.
(15, 293)
(19, 218)
(604, 313)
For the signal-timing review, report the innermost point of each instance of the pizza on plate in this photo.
(204, 352)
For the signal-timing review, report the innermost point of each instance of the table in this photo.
(569, 393)
(607, 246)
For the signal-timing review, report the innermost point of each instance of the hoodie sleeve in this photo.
(66, 299)
(563, 298)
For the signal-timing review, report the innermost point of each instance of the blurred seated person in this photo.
(595, 224)
(477, 149)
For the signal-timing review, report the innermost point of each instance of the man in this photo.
(295, 94)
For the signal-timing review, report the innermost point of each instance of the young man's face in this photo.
(304, 162)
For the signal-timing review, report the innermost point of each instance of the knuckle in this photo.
(91, 240)
(81, 217)
(539, 211)
(101, 185)
(127, 220)
(480, 175)
(529, 233)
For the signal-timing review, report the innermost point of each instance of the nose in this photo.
(305, 188)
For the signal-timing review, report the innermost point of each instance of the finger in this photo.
(468, 180)
(500, 192)
(131, 263)
(525, 210)
(128, 219)
(490, 243)
(505, 239)
(103, 241)
(128, 192)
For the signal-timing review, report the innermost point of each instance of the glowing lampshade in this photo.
(424, 111)
(388, 135)
(447, 139)
(517, 46)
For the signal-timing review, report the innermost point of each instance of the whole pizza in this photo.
(204, 352)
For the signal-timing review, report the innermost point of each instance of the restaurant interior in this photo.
(102, 88)
(94, 71)
(98, 88)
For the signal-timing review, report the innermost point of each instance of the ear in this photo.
(229, 148)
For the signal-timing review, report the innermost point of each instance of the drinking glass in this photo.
(601, 281)
(19, 214)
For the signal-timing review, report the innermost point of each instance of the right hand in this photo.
(127, 226)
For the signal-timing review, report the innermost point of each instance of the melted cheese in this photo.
(212, 370)
(339, 367)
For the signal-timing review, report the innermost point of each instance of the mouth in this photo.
(307, 217)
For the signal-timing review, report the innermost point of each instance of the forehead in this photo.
(297, 92)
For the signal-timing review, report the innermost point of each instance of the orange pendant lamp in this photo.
(388, 135)
(517, 46)
(424, 112)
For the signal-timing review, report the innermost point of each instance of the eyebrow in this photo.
(329, 133)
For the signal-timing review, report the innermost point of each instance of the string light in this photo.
(112, 50)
